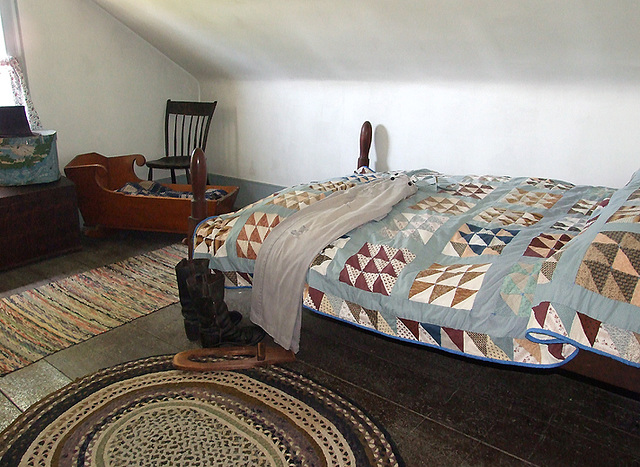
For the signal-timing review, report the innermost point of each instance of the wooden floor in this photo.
(439, 409)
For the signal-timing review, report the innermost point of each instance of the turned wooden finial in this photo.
(198, 187)
(365, 144)
(199, 176)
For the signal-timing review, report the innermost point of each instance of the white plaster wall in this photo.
(286, 132)
(101, 86)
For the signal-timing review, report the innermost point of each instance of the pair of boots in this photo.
(206, 316)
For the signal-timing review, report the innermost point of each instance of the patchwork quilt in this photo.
(517, 270)
(151, 188)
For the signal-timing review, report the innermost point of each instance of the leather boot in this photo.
(224, 332)
(217, 324)
(186, 269)
(194, 270)
(201, 289)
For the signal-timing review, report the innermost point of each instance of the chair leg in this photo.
(150, 176)
(173, 176)
(186, 171)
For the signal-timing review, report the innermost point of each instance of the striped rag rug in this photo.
(41, 321)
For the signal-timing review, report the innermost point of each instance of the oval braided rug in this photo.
(147, 413)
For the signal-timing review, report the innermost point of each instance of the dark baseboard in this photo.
(249, 192)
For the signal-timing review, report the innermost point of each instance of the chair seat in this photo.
(172, 162)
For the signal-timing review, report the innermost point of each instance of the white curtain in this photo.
(10, 67)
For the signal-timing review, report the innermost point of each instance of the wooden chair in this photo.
(186, 127)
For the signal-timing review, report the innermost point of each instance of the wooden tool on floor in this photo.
(231, 358)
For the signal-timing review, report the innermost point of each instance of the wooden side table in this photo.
(38, 221)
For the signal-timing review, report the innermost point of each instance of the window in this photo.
(6, 94)
(10, 46)
(3, 47)
(13, 82)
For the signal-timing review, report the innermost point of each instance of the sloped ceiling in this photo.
(395, 40)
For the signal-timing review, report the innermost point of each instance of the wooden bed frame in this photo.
(97, 178)
(606, 371)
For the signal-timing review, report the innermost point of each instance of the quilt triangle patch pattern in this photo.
(549, 267)
(408, 329)
(480, 342)
(526, 351)
(626, 214)
(587, 331)
(519, 286)
(333, 185)
(365, 177)
(214, 233)
(548, 183)
(611, 266)
(596, 212)
(328, 305)
(453, 286)
(588, 326)
(430, 333)
(473, 190)
(486, 179)
(505, 217)
(482, 345)
(352, 312)
(584, 207)
(323, 259)
(253, 233)
(627, 344)
(375, 268)
(472, 240)
(532, 198)
(296, 199)
(571, 224)
(486, 347)
(265, 200)
(546, 317)
(443, 205)
(453, 339)
(238, 279)
(545, 245)
(368, 318)
(552, 321)
(634, 196)
(416, 225)
(312, 297)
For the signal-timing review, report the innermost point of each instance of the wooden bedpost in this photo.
(198, 203)
(365, 144)
(229, 358)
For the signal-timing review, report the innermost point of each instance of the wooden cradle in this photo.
(595, 367)
(97, 178)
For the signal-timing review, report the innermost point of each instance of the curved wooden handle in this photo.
(365, 144)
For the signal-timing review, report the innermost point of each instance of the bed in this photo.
(522, 271)
(112, 196)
